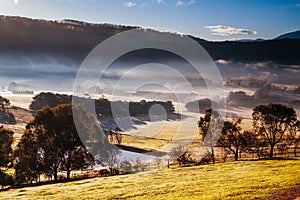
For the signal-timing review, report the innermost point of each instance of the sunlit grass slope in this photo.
(232, 180)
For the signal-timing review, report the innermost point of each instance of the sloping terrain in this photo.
(22, 116)
(235, 180)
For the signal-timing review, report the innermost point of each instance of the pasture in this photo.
(231, 180)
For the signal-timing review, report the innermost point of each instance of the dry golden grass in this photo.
(232, 180)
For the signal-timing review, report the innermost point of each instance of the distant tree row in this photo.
(103, 107)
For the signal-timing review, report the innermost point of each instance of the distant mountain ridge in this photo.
(73, 40)
(291, 35)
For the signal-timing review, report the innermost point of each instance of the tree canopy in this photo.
(233, 138)
(55, 144)
(6, 157)
(6, 140)
(272, 121)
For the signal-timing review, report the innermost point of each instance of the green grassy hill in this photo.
(232, 180)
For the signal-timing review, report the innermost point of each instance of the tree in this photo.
(6, 140)
(5, 179)
(53, 141)
(112, 159)
(4, 102)
(272, 121)
(118, 135)
(181, 155)
(294, 135)
(254, 143)
(210, 127)
(28, 163)
(5, 116)
(233, 138)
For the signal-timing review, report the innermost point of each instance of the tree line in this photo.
(103, 107)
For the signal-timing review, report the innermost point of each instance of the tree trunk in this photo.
(272, 150)
(295, 150)
(236, 155)
(213, 155)
(55, 175)
(68, 174)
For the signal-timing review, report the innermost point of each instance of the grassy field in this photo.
(232, 180)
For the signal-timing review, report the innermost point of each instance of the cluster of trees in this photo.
(200, 105)
(261, 96)
(103, 107)
(51, 143)
(273, 124)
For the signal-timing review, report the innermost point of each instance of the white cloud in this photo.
(191, 2)
(16, 2)
(183, 3)
(160, 1)
(223, 62)
(179, 3)
(228, 30)
(129, 4)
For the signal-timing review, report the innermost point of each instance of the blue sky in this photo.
(208, 19)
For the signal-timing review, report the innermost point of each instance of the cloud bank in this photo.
(222, 30)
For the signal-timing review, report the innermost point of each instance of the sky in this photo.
(208, 19)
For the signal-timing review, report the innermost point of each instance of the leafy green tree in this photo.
(58, 137)
(210, 128)
(272, 121)
(28, 163)
(53, 142)
(6, 140)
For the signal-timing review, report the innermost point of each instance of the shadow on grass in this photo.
(274, 158)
